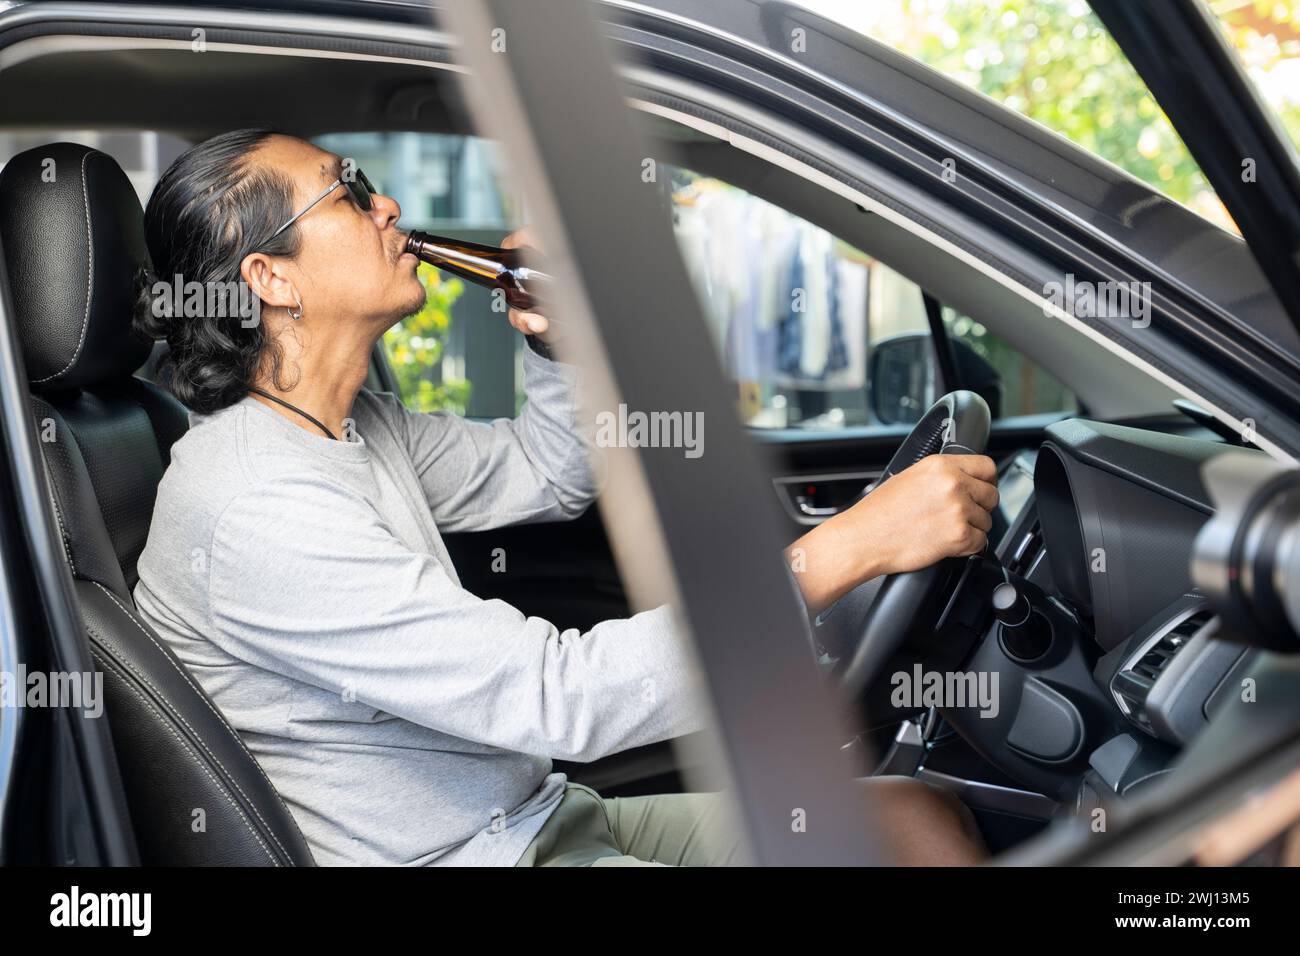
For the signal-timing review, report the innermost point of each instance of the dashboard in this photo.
(1100, 523)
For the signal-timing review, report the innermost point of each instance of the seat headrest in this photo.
(73, 236)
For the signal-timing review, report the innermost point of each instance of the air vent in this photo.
(1134, 681)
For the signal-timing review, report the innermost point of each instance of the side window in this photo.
(820, 335)
(455, 353)
(1022, 387)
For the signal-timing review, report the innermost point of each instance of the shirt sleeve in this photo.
(535, 467)
(305, 580)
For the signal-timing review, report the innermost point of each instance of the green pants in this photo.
(671, 829)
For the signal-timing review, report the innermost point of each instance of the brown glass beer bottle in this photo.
(525, 289)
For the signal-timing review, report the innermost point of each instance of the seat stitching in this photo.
(229, 799)
(181, 717)
(90, 262)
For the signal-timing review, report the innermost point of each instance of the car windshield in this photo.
(1054, 62)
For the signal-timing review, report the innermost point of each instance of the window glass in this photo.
(1025, 388)
(818, 334)
(788, 304)
(1054, 62)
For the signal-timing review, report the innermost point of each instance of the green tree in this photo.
(1053, 61)
(415, 347)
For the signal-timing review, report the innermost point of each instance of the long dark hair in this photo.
(210, 209)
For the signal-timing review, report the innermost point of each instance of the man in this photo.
(295, 561)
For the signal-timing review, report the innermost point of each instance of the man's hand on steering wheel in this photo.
(937, 508)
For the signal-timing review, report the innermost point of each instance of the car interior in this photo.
(1114, 675)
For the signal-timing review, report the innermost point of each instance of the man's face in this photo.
(350, 266)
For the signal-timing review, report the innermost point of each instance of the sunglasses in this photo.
(360, 187)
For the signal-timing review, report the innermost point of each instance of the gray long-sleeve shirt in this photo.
(304, 582)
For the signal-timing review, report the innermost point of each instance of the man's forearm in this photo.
(828, 562)
(938, 508)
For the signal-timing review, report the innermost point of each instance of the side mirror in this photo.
(902, 383)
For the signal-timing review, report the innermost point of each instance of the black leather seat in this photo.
(73, 236)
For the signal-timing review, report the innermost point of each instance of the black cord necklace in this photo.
(293, 408)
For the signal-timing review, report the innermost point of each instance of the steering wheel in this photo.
(878, 616)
